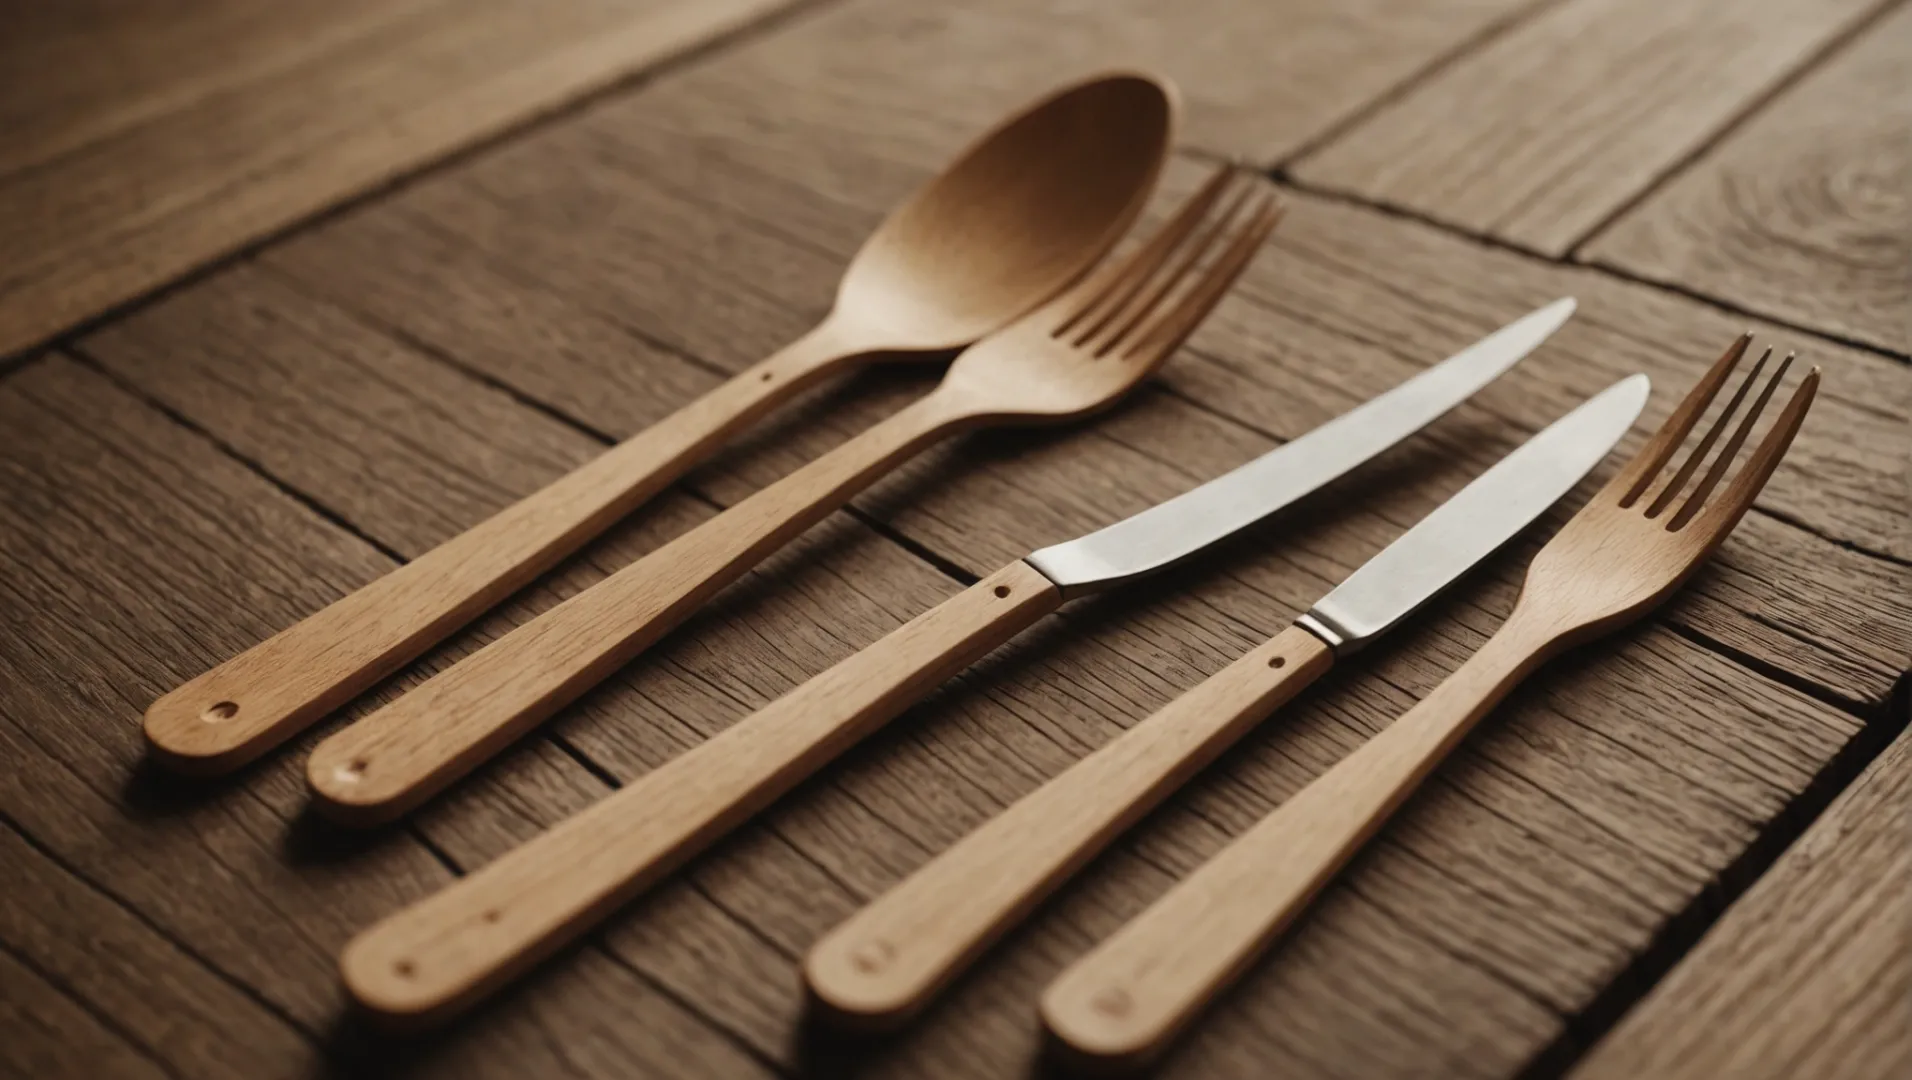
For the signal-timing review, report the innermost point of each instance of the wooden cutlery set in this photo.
(1000, 259)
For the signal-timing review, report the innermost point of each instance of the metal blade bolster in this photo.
(1477, 520)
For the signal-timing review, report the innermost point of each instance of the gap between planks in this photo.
(1287, 180)
(451, 865)
(1583, 1030)
(690, 55)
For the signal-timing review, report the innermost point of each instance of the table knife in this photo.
(886, 962)
(445, 952)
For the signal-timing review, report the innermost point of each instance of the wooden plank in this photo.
(1260, 80)
(1809, 973)
(138, 554)
(1799, 214)
(1552, 127)
(48, 1033)
(316, 109)
(72, 77)
(165, 1007)
(1601, 804)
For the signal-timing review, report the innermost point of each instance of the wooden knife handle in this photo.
(232, 713)
(880, 967)
(393, 760)
(446, 951)
(1124, 1001)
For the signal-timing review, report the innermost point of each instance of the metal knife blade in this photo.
(1169, 532)
(1478, 519)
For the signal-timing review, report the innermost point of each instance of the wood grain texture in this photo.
(391, 762)
(1620, 557)
(315, 417)
(439, 956)
(565, 266)
(125, 567)
(227, 716)
(1808, 973)
(1629, 788)
(162, 1003)
(882, 966)
(1552, 127)
(1033, 202)
(236, 123)
(1344, 291)
(51, 1034)
(1802, 213)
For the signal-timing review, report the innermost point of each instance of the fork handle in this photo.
(879, 968)
(393, 760)
(1125, 1000)
(450, 949)
(236, 711)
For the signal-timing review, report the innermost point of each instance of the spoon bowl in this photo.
(1021, 213)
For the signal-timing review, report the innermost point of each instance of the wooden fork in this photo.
(1076, 354)
(1623, 554)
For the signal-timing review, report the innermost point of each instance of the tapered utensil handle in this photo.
(448, 950)
(1125, 1000)
(236, 711)
(393, 760)
(885, 963)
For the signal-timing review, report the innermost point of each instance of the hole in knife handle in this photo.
(405, 969)
(1112, 1002)
(872, 957)
(765, 377)
(352, 772)
(1277, 661)
(1002, 590)
(220, 711)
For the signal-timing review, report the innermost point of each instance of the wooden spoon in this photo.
(1022, 213)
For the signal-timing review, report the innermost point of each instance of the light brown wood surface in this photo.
(882, 966)
(1031, 206)
(253, 445)
(1622, 555)
(1809, 973)
(1800, 214)
(1553, 127)
(151, 142)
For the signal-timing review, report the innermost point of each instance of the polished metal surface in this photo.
(1167, 533)
(1479, 518)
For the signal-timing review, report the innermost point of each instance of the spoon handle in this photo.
(396, 758)
(1120, 1004)
(238, 710)
(450, 949)
(880, 967)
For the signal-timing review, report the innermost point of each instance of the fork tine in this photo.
(1131, 314)
(1109, 288)
(1697, 501)
(1646, 465)
(1173, 326)
(1698, 454)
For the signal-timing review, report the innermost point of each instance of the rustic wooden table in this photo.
(294, 292)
